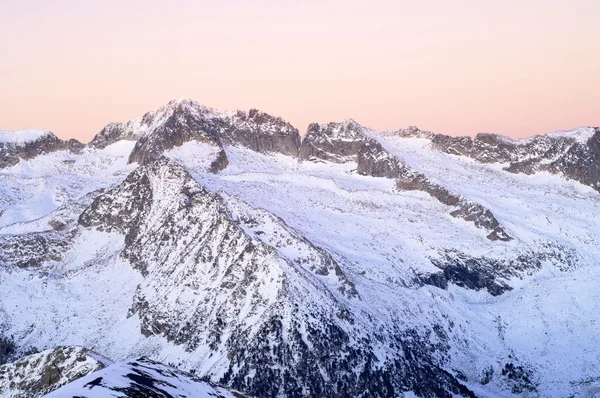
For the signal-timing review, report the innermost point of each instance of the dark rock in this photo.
(112, 133)
(262, 133)
(375, 161)
(33, 250)
(334, 142)
(519, 378)
(467, 210)
(491, 274)
(179, 123)
(8, 349)
(220, 162)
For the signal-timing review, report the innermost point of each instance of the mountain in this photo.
(185, 120)
(27, 144)
(347, 263)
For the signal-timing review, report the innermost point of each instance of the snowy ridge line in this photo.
(142, 377)
(233, 274)
(20, 137)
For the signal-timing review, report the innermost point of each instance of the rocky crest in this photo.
(574, 154)
(39, 374)
(142, 378)
(173, 125)
(493, 275)
(181, 121)
(262, 133)
(334, 142)
(466, 209)
(27, 144)
(350, 142)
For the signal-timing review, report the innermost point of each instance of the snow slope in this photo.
(141, 378)
(20, 137)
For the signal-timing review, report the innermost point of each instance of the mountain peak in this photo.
(21, 137)
(27, 144)
(580, 134)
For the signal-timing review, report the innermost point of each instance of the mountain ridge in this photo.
(367, 265)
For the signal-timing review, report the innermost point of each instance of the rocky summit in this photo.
(199, 252)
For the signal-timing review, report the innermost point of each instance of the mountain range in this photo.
(218, 252)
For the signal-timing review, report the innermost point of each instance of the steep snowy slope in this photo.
(38, 374)
(141, 378)
(360, 264)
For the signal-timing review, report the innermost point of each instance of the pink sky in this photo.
(458, 67)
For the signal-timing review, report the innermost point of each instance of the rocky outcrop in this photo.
(262, 133)
(114, 132)
(143, 378)
(466, 209)
(333, 142)
(581, 162)
(32, 250)
(39, 374)
(173, 125)
(373, 160)
(493, 275)
(28, 144)
(220, 162)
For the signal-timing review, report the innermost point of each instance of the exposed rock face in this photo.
(478, 273)
(262, 133)
(8, 349)
(30, 251)
(176, 123)
(581, 161)
(334, 142)
(28, 144)
(467, 210)
(245, 287)
(181, 121)
(143, 378)
(220, 162)
(114, 132)
(373, 160)
(39, 374)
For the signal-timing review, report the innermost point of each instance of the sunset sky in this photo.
(458, 67)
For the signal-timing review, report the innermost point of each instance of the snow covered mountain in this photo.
(27, 144)
(347, 263)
